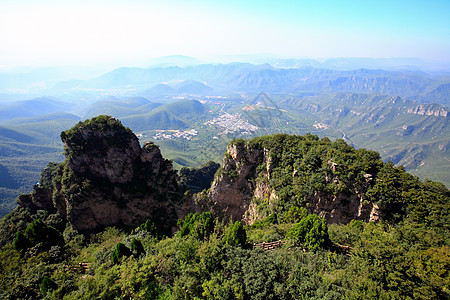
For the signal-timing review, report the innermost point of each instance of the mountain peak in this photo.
(107, 179)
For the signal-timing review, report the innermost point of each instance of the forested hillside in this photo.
(271, 174)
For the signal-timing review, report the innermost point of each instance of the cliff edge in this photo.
(107, 179)
(268, 175)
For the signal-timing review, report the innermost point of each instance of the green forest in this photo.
(289, 253)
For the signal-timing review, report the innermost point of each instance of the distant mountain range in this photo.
(31, 108)
(241, 78)
(181, 76)
(439, 94)
(183, 88)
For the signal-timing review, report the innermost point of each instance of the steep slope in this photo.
(192, 87)
(184, 108)
(108, 179)
(160, 90)
(410, 134)
(42, 119)
(26, 146)
(13, 135)
(271, 174)
(198, 179)
(158, 119)
(440, 94)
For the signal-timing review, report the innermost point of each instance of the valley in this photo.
(193, 112)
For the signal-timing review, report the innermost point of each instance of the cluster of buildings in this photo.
(321, 126)
(232, 123)
(174, 134)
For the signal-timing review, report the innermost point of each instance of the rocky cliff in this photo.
(108, 179)
(429, 110)
(271, 174)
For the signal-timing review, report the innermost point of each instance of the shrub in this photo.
(235, 235)
(35, 233)
(196, 225)
(311, 231)
(137, 248)
(46, 285)
(21, 242)
(149, 226)
(120, 251)
(295, 214)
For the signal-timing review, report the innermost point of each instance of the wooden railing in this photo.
(80, 268)
(269, 246)
(344, 247)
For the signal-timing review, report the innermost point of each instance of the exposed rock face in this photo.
(41, 198)
(108, 179)
(344, 208)
(429, 110)
(100, 160)
(243, 187)
(231, 192)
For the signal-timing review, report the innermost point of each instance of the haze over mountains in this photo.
(403, 77)
(398, 107)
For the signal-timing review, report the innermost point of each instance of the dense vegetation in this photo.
(412, 137)
(306, 167)
(381, 261)
(405, 257)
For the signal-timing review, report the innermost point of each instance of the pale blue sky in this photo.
(132, 32)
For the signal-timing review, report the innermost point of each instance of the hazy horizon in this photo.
(132, 33)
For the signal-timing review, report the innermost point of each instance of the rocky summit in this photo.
(107, 179)
(270, 174)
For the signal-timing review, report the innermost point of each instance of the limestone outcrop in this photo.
(243, 189)
(107, 179)
(429, 110)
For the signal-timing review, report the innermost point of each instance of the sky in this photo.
(130, 33)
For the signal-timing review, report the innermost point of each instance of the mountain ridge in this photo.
(242, 77)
